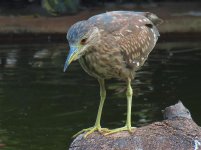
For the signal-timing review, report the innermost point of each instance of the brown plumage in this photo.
(126, 39)
(113, 45)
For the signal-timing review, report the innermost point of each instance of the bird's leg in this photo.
(102, 96)
(97, 126)
(129, 94)
(127, 127)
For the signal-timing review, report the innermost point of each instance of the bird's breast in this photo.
(105, 64)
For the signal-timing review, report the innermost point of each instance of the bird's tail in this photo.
(155, 19)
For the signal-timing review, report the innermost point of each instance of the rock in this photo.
(1, 144)
(177, 110)
(178, 132)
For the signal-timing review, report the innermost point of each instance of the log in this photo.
(177, 132)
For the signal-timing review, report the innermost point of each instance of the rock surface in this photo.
(178, 132)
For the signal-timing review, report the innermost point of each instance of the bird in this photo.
(113, 44)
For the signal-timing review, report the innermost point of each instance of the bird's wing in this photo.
(132, 32)
(115, 21)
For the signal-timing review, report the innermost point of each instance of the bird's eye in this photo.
(83, 41)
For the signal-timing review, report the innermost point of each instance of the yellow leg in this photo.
(97, 126)
(127, 127)
(129, 94)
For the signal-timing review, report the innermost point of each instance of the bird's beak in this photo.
(73, 53)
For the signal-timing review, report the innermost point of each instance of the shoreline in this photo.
(179, 24)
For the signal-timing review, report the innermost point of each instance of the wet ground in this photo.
(41, 107)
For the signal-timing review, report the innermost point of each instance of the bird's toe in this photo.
(125, 128)
(90, 130)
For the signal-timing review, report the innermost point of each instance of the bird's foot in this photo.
(91, 130)
(125, 128)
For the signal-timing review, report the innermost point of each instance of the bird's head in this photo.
(80, 36)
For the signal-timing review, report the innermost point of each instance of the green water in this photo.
(41, 107)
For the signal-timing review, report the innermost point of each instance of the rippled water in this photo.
(41, 107)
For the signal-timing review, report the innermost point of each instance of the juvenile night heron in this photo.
(112, 45)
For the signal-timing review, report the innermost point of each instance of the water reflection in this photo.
(41, 107)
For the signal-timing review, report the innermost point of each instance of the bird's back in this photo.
(127, 38)
(115, 21)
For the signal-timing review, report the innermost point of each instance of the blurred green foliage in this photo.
(58, 7)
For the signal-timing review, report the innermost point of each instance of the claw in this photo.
(91, 130)
(82, 131)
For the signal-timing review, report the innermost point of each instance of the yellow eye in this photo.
(83, 41)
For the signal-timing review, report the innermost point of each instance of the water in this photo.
(41, 107)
